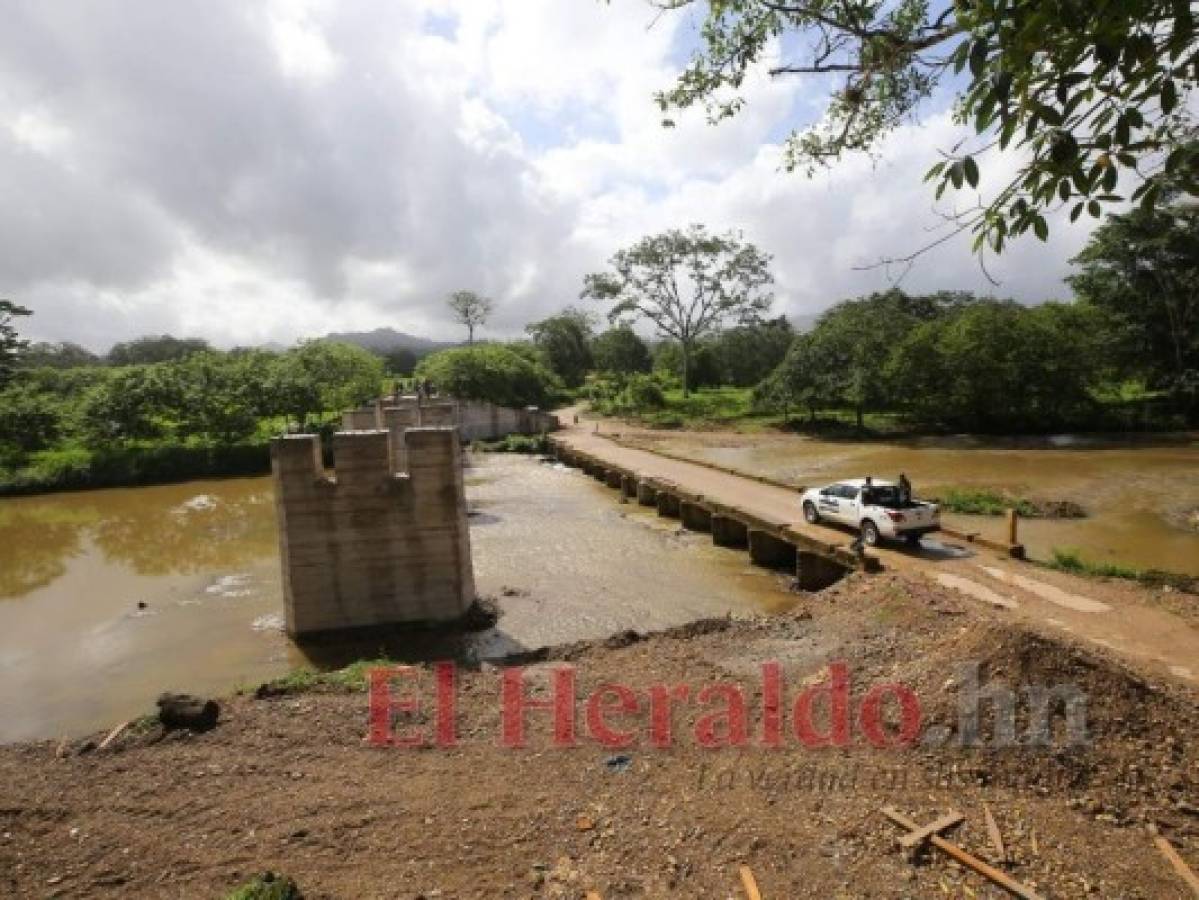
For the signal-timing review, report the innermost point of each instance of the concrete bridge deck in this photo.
(767, 520)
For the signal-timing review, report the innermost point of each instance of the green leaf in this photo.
(1169, 97)
(978, 57)
(1094, 209)
(1076, 212)
(971, 169)
(1041, 227)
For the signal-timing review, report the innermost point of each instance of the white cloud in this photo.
(252, 172)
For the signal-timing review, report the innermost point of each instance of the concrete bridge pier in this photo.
(767, 550)
(814, 572)
(729, 532)
(647, 494)
(613, 478)
(695, 517)
(628, 486)
(668, 505)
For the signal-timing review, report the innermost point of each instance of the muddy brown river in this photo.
(108, 598)
(1138, 494)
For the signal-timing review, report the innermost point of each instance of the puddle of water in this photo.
(563, 558)
(1134, 491)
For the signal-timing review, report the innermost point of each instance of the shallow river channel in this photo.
(108, 598)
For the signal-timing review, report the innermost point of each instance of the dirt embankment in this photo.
(286, 782)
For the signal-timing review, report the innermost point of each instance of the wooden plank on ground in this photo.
(113, 735)
(750, 884)
(966, 859)
(1179, 864)
(995, 834)
(914, 839)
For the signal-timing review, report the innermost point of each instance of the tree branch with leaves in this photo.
(11, 344)
(1090, 95)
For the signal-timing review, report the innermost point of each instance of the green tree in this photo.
(748, 353)
(854, 340)
(564, 341)
(997, 366)
(344, 375)
(1079, 93)
(131, 405)
(218, 397)
(804, 379)
(492, 372)
(620, 351)
(11, 345)
(1142, 269)
(29, 419)
(469, 309)
(687, 283)
(154, 349)
(64, 355)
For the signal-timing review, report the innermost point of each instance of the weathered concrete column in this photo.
(668, 505)
(647, 494)
(814, 572)
(628, 485)
(729, 532)
(695, 517)
(767, 550)
(613, 478)
(368, 547)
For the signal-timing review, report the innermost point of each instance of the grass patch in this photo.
(267, 886)
(983, 502)
(513, 443)
(1068, 559)
(353, 677)
(75, 467)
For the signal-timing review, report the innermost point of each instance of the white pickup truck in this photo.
(878, 511)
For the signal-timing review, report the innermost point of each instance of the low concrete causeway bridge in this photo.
(766, 519)
(772, 541)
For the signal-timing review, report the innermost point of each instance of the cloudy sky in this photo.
(263, 171)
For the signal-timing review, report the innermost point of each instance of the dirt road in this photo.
(1118, 615)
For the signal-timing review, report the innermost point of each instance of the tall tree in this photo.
(1142, 269)
(564, 341)
(687, 283)
(1079, 92)
(470, 310)
(11, 345)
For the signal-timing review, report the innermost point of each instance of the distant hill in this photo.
(382, 340)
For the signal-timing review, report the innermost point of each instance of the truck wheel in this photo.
(869, 533)
(811, 516)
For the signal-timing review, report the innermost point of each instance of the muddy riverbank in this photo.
(287, 784)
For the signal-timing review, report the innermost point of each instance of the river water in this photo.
(108, 598)
(1138, 493)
